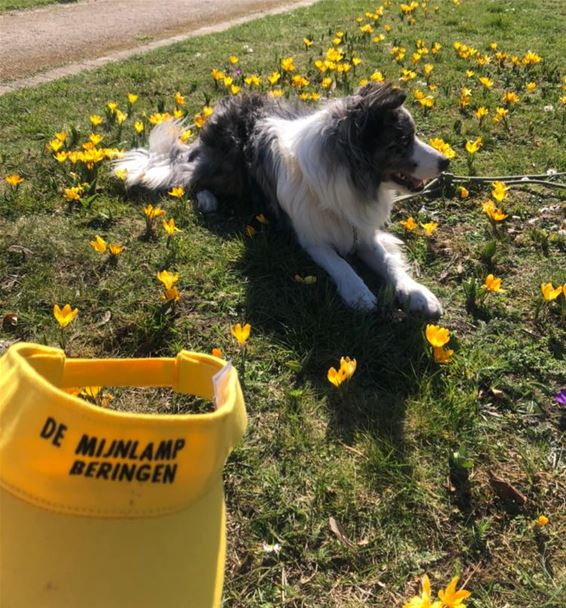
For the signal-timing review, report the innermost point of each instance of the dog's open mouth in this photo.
(411, 183)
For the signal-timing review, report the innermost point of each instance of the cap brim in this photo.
(64, 561)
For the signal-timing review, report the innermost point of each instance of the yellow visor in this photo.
(100, 508)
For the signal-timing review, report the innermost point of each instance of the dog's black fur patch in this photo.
(371, 136)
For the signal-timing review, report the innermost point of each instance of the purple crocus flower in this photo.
(560, 397)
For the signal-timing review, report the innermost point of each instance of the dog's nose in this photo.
(443, 164)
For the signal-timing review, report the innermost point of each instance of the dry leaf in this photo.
(10, 321)
(337, 531)
(506, 491)
(105, 318)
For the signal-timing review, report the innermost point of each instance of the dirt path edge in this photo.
(91, 64)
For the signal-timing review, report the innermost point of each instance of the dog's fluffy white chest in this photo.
(322, 203)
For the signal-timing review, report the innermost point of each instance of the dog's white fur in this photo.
(326, 212)
(327, 218)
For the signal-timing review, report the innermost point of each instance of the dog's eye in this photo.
(401, 144)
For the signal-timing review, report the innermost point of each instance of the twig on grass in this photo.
(447, 179)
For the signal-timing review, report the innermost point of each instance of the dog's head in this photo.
(379, 134)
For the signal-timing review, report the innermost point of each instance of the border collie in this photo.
(333, 170)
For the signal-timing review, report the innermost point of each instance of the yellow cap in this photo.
(100, 508)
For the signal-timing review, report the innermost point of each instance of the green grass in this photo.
(374, 455)
(17, 5)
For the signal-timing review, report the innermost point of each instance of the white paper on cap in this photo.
(220, 384)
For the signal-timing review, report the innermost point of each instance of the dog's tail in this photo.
(163, 165)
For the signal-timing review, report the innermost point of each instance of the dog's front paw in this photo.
(417, 299)
(206, 201)
(362, 300)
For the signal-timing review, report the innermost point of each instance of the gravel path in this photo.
(44, 44)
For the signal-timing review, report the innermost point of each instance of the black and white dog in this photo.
(334, 171)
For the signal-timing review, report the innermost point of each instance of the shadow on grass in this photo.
(312, 322)
(314, 326)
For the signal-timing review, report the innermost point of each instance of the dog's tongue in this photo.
(412, 183)
(415, 184)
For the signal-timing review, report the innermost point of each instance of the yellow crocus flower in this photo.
(152, 212)
(115, 249)
(73, 194)
(13, 180)
(491, 283)
(531, 58)
(493, 212)
(171, 294)
(549, 292)
(442, 355)
(336, 377)
(288, 64)
(273, 78)
(177, 192)
(499, 191)
(409, 224)
(443, 147)
(452, 598)
(169, 227)
(463, 192)
(241, 333)
(345, 372)
(436, 335)
(55, 145)
(167, 278)
(510, 98)
(348, 366)
(473, 146)
(253, 80)
(99, 244)
(96, 120)
(500, 114)
(427, 69)
(424, 600)
(66, 315)
(430, 228)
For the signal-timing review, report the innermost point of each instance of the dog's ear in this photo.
(368, 108)
(380, 96)
(366, 112)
